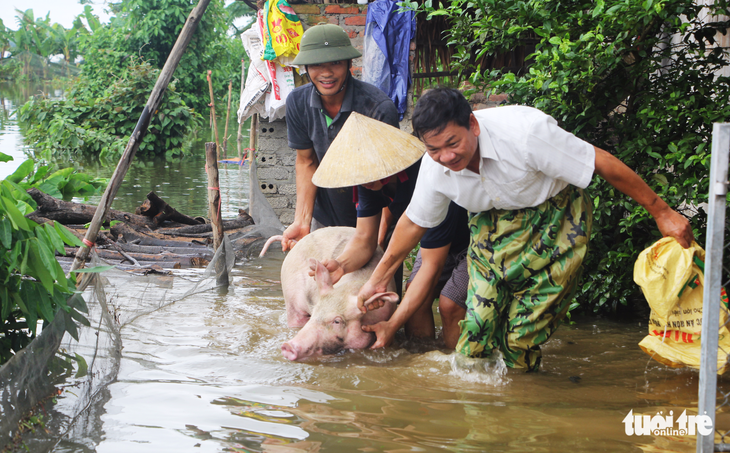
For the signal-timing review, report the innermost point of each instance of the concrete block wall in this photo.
(275, 159)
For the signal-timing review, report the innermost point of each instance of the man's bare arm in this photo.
(305, 166)
(405, 237)
(669, 221)
(420, 291)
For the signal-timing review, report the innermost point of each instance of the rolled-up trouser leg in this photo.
(524, 267)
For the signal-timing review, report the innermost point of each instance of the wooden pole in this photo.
(212, 114)
(252, 137)
(239, 137)
(214, 194)
(228, 115)
(214, 211)
(140, 130)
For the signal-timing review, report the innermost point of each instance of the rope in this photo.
(88, 243)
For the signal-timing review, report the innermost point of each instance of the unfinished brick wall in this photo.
(275, 159)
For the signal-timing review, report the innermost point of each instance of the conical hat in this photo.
(364, 151)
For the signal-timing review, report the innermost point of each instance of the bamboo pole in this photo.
(214, 193)
(228, 115)
(212, 114)
(239, 137)
(153, 102)
(214, 211)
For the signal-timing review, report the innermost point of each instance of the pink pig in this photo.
(327, 313)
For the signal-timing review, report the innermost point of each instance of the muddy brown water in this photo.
(205, 374)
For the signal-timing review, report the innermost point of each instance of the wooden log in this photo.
(206, 228)
(68, 212)
(158, 209)
(183, 260)
(130, 235)
(141, 128)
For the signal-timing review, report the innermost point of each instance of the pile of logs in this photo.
(156, 236)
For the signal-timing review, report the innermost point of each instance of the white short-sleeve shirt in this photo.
(525, 159)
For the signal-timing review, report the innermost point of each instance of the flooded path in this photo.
(206, 374)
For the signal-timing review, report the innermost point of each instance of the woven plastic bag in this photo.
(672, 280)
(283, 30)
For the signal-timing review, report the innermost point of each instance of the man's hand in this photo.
(671, 223)
(334, 268)
(366, 293)
(384, 331)
(294, 233)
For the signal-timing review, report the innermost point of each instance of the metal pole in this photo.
(707, 394)
(140, 130)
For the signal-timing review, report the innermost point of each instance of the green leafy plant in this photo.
(33, 287)
(641, 79)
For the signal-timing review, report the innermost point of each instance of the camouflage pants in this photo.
(524, 268)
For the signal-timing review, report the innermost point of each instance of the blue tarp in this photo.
(388, 35)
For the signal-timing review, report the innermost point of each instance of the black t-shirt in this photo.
(453, 230)
(307, 128)
(393, 196)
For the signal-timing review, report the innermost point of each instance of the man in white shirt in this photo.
(522, 178)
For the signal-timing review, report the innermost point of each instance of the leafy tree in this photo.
(642, 79)
(149, 28)
(98, 118)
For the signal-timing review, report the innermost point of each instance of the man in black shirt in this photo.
(315, 113)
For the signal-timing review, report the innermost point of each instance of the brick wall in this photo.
(275, 159)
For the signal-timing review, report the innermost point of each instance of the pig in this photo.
(327, 314)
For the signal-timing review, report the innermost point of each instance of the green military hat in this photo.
(323, 44)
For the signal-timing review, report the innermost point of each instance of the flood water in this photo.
(205, 373)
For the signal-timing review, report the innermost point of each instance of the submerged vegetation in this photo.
(643, 79)
(121, 62)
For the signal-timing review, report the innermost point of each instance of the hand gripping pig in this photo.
(327, 313)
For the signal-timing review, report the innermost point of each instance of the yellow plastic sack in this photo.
(672, 280)
(283, 30)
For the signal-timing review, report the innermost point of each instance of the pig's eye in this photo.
(337, 321)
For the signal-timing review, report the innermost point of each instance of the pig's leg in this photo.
(297, 304)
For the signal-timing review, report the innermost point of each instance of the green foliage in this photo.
(101, 124)
(148, 29)
(638, 78)
(33, 287)
(122, 60)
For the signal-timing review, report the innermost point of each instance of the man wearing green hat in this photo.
(315, 113)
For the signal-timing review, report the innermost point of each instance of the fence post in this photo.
(707, 393)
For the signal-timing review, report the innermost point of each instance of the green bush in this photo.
(101, 124)
(638, 78)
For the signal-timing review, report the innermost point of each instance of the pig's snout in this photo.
(290, 351)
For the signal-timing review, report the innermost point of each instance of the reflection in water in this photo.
(206, 374)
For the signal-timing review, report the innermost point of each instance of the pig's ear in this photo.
(321, 276)
(383, 297)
